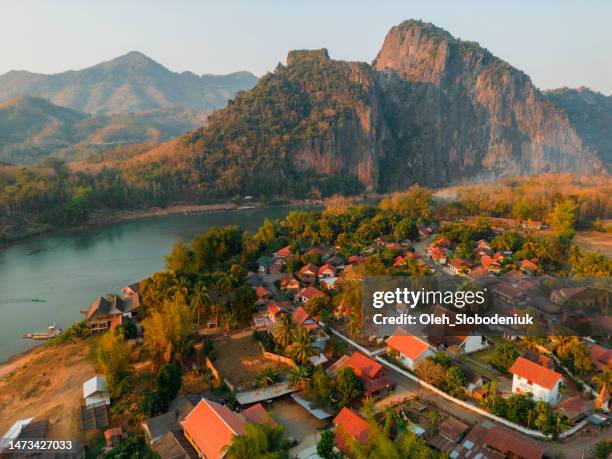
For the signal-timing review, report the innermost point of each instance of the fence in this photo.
(468, 406)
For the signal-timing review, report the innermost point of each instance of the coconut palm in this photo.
(180, 289)
(226, 285)
(301, 349)
(286, 331)
(199, 300)
(603, 379)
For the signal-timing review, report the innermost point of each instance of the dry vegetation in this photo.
(47, 384)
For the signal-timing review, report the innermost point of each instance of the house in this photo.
(509, 293)
(350, 427)
(459, 266)
(452, 429)
(289, 284)
(442, 242)
(210, 427)
(532, 225)
(277, 266)
(276, 311)
(263, 264)
(398, 261)
(460, 344)
(513, 276)
(131, 290)
(308, 273)
(542, 382)
(308, 293)
(529, 267)
(95, 391)
(327, 271)
(573, 408)
(424, 231)
(483, 248)
(103, 311)
(490, 264)
(601, 357)
(491, 441)
(157, 427)
(540, 359)
(371, 373)
(262, 293)
(302, 319)
(23, 429)
(438, 255)
(480, 273)
(355, 260)
(474, 380)
(285, 252)
(410, 348)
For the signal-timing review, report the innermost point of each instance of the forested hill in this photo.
(129, 83)
(32, 128)
(591, 114)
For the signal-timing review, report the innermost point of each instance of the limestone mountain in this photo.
(430, 109)
(32, 128)
(591, 114)
(129, 83)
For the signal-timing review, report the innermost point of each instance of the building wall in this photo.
(521, 385)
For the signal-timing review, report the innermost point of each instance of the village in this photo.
(300, 369)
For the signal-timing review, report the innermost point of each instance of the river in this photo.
(52, 278)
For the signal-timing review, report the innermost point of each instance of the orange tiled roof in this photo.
(350, 425)
(211, 427)
(410, 346)
(310, 292)
(535, 373)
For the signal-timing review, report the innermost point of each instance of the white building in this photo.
(95, 391)
(543, 383)
(410, 348)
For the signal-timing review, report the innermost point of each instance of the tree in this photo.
(318, 304)
(266, 378)
(286, 331)
(325, 447)
(348, 387)
(603, 449)
(431, 372)
(563, 217)
(131, 447)
(503, 357)
(179, 259)
(199, 301)
(113, 359)
(299, 378)
(320, 389)
(260, 441)
(603, 379)
(301, 349)
(168, 381)
(165, 331)
(455, 381)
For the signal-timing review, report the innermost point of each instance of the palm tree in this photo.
(301, 349)
(180, 289)
(286, 331)
(229, 321)
(226, 284)
(603, 379)
(199, 300)
(299, 378)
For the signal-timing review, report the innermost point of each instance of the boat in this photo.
(53, 331)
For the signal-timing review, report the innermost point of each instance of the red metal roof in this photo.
(351, 425)
(535, 373)
(363, 365)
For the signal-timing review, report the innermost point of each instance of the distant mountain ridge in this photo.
(129, 83)
(33, 128)
(591, 114)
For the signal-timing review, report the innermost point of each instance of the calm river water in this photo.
(53, 278)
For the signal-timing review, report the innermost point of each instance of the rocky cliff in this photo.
(430, 109)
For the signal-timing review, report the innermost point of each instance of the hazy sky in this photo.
(558, 43)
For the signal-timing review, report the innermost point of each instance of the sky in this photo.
(558, 43)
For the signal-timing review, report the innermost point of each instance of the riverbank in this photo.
(19, 360)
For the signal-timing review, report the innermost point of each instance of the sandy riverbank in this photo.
(17, 361)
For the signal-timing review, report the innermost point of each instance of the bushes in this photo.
(168, 383)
